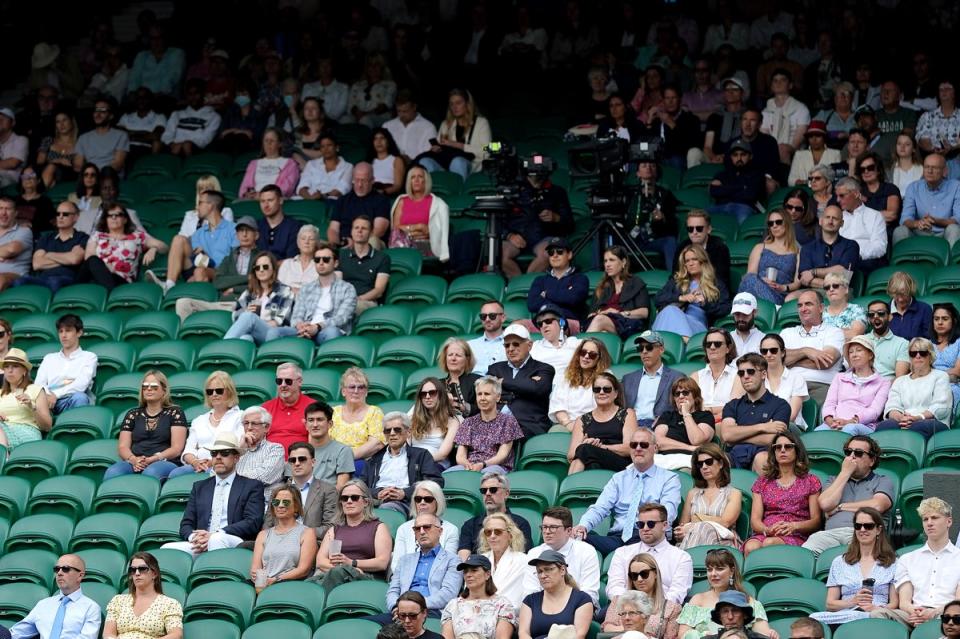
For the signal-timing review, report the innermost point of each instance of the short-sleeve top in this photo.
(355, 434)
(786, 504)
(540, 622)
(15, 412)
(152, 434)
(483, 439)
(677, 430)
(163, 615)
(479, 616)
(845, 318)
(121, 255)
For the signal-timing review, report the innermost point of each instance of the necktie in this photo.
(631, 521)
(216, 514)
(58, 620)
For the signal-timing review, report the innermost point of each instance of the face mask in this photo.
(288, 100)
(242, 100)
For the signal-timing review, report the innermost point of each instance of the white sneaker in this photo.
(152, 277)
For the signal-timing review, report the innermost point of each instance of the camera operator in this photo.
(542, 210)
(652, 214)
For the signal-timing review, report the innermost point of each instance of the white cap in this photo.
(744, 303)
(517, 329)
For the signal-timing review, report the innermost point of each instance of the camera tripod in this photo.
(605, 227)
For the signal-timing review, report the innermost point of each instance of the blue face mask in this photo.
(242, 100)
(288, 100)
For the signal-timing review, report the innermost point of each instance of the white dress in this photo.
(202, 433)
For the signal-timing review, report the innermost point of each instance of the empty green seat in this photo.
(928, 630)
(33, 329)
(404, 261)
(390, 320)
(770, 563)
(341, 628)
(903, 450)
(105, 566)
(519, 286)
(106, 530)
(21, 301)
(355, 599)
(790, 597)
(943, 449)
(14, 496)
(162, 165)
(825, 559)
(176, 492)
(168, 356)
(133, 495)
(121, 392)
(158, 530)
(414, 379)
(92, 458)
(912, 493)
(385, 383)
(583, 488)
(188, 387)
(825, 448)
(63, 495)
(226, 600)
(204, 628)
(879, 628)
(321, 383)
(343, 352)
(17, 600)
(425, 289)
(31, 566)
(444, 320)
(462, 490)
(406, 354)
(113, 358)
(35, 461)
(40, 532)
(296, 600)
(146, 328)
(133, 297)
(286, 628)
(479, 287)
(227, 564)
(230, 355)
(203, 327)
(81, 424)
(79, 298)
(289, 349)
(918, 249)
(446, 183)
(208, 162)
(254, 386)
(535, 489)
(175, 565)
(547, 452)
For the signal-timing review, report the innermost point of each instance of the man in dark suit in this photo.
(319, 497)
(647, 391)
(526, 382)
(392, 473)
(224, 510)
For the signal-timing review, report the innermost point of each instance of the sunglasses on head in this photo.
(706, 462)
(861, 526)
(424, 499)
(695, 229)
(556, 251)
(591, 355)
(215, 391)
(642, 574)
(743, 372)
(326, 259)
(281, 502)
(345, 498)
(597, 390)
(636, 445)
(301, 459)
(773, 350)
(489, 316)
(856, 452)
(775, 222)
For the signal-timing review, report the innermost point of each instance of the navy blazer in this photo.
(420, 466)
(631, 383)
(244, 508)
(528, 398)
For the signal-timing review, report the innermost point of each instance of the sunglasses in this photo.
(326, 259)
(773, 350)
(138, 570)
(706, 462)
(409, 615)
(545, 321)
(782, 448)
(832, 287)
(643, 574)
(743, 372)
(597, 390)
(591, 355)
(302, 459)
(424, 499)
(954, 619)
(489, 316)
(223, 453)
(150, 386)
(712, 344)
(776, 222)
(872, 314)
(393, 429)
(856, 452)
(101, 110)
(868, 167)
(556, 251)
(490, 490)
(215, 391)
(28, 176)
(918, 353)
(422, 528)
(646, 348)
(284, 381)
(3, 333)
(650, 523)
(859, 526)
(57, 569)
(90, 174)
(681, 393)
(262, 267)
(345, 498)
(431, 392)
(115, 215)
(281, 502)
(695, 229)
(494, 532)
(636, 445)
(791, 207)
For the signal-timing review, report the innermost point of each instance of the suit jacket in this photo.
(319, 510)
(244, 508)
(631, 383)
(444, 579)
(528, 399)
(228, 277)
(420, 466)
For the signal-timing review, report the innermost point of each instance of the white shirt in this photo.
(792, 384)
(334, 97)
(582, 563)
(64, 375)
(413, 138)
(317, 179)
(716, 393)
(393, 470)
(675, 567)
(324, 306)
(406, 543)
(509, 574)
(749, 345)
(575, 401)
(293, 274)
(81, 619)
(902, 179)
(198, 126)
(149, 123)
(556, 356)
(203, 433)
(818, 337)
(934, 576)
(784, 121)
(867, 228)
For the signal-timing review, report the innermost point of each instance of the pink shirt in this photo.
(416, 212)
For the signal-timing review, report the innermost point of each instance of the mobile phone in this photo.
(433, 142)
(869, 583)
(335, 546)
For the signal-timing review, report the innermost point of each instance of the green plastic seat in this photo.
(583, 488)
(92, 458)
(117, 531)
(133, 495)
(694, 351)
(204, 163)
(33, 329)
(699, 198)
(21, 301)
(782, 626)
(404, 262)
(945, 279)
(321, 383)
(824, 561)
(113, 358)
(152, 166)
(878, 279)
(943, 449)
(121, 392)
(168, 356)
(17, 600)
(255, 386)
(144, 329)
(286, 628)
(902, 450)
(230, 355)
(101, 327)
(33, 566)
(391, 519)
(930, 250)
(534, 489)
(134, 297)
(355, 628)
(425, 289)
(230, 601)
(203, 327)
(700, 175)
(104, 566)
(699, 556)
(445, 320)
(753, 229)
(175, 565)
(547, 452)
(912, 493)
(79, 298)
(880, 628)
(40, 532)
(158, 530)
(344, 352)
(479, 287)
(14, 497)
(385, 383)
(308, 211)
(417, 376)
(37, 352)
(928, 630)
(406, 354)
(187, 388)
(790, 597)
(288, 349)
(203, 628)
(519, 286)
(446, 183)
(462, 490)
(825, 448)
(175, 493)
(64, 495)
(204, 291)
(355, 599)
(227, 564)
(384, 320)
(295, 600)
(769, 563)
(612, 342)
(400, 405)
(35, 461)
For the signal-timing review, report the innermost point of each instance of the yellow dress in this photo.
(355, 434)
(163, 615)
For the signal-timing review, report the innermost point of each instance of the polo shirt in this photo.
(347, 208)
(362, 272)
(887, 351)
(51, 243)
(746, 412)
(819, 254)
(286, 425)
(818, 337)
(858, 490)
(280, 240)
(217, 243)
(914, 322)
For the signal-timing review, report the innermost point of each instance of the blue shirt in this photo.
(280, 240)
(487, 351)
(81, 619)
(916, 321)
(942, 202)
(819, 254)
(746, 412)
(217, 243)
(647, 394)
(51, 243)
(655, 484)
(421, 576)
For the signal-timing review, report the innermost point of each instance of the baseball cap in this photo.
(548, 557)
(558, 242)
(247, 221)
(517, 329)
(8, 112)
(741, 145)
(650, 337)
(474, 561)
(744, 303)
(734, 81)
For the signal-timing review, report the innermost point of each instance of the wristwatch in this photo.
(353, 562)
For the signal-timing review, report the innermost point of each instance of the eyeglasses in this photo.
(150, 386)
(695, 229)
(643, 574)
(743, 372)
(393, 429)
(326, 259)
(284, 381)
(422, 528)
(355, 388)
(706, 462)
(791, 207)
(490, 490)
(302, 459)
(551, 528)
(954, 619)
(856, 452)
(223, 453)
(409, 615)
(262, 267)
(101, 110)
(28, 176)
(683, 392)
(115, 215)
(556, 251)
(636, 445)
(713, 344)
(775, 222)
(545, 321)
(57, 569)
(782, 448)
(597, 390)
(215, 391)
(428, 392)
(650, 523)
(918, 353)
(860, 526)
(489, 316)
(345, 498)
(646, 348)
(816, 178)
(3, 333)
(281, 502)
(832, 287)
(630, 613)
(868, 167)
(138, 570)
(247, 423)
(494, 532)
(773, 350)
(872, 314)
(511, 345)
(90, 174)
(424, 499)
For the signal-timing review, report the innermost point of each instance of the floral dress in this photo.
(355, 434)
(845, 318)
(478, 616)
(121, 256)
(786, 504)
(849, 579)
(163, 615)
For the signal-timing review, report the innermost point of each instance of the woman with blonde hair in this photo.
(921, 401)
(906, 167)
(772, 267)
(224, 416)
(456, 359)
(839, 312)
(503, 544)
(572, 395)
(434, 421)
(420, 219)
(298, 271)
(427, 499)
(462, 136)
(693, 298)
(57, 152)
(24, 409)
(909, 317)
(643, 578)
(191, 219)
(356, 423)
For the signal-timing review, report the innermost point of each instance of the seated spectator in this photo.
(271, 168)
(703, 98)
(936, 129)
(890, 351)
(946, 342)
(620, 496)
(143, 125)
(159, 67)
(740, 186)
(224, 416)
(855, 487)
(286, 115)
(717, 381)
(262, 459)
(684, 426)
(494, 491)
(878, 193)
(485, 440)
(601, 436)
(949, 624)
(556, 346)
(581, 559)
(839, 312)
(367, 269)
(161, 617)
(384, 473)
(114, 251)
(34, 208)
(723, 576)
(461, 138)
(434, 421)
(646, 400)
(362, 201)
(543, 214)
(420, 219)
(488, 347)
(57, 255)
(152, 435)
(298, 271)
(193, 128)
(562, 286)
(858, 143)
(388, 166)
(287, 549)
(372, 96)
(921, 401)
(906, 167)
(746, 337)
(318, 497)
(815, 154)
(110, 183)
(306, 137)
(772, 269)
(56, 153)
(862, 224)
(6, 339)
(643, 606)
(621, 305)
(826, 253)
(427, 499)
(355, 423)
(777, 56)
(23, 404)
(479, 611)
(331, 93)
(786, 383)
(82, 619)
(364, 541)
(327, 176)
(242, 124)
(191, 219)
(856, 397)
(67, 375)
(909, 317)
(699, 233)
(931, 206)
(560, 593)
(732, 614)
(333, 461)
(411, 131)
(752, 421)
(630, 614)
(572, 395)
(785, 509)
(525, 386)
(813, 347)
(803, 214)
(674, 567)
(821, 184)
(16, 244)
(785, 117)
(503, 544)
(14, 149)
(766, 156)
(456, 359)
(723, 126)
(679, 129)
(920, 598)
(104, 145)
(87, 194)
(840, 120)
(325, 308)
(286, 410)
(711, 508)
(265, 304)
(650, 92)
(620, 120)
(693, 298)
